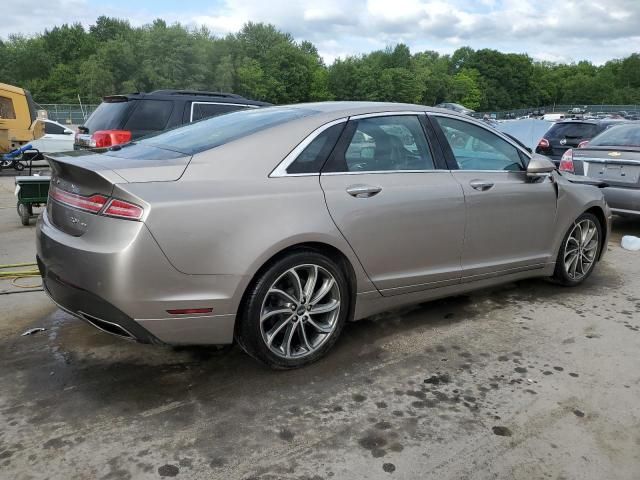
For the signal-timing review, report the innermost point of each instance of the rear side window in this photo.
(313, 157)
(206, 110)
(388, 143)
(572, 130)
(6, 109)
(108, 116)
(212, 132)
(150, 116)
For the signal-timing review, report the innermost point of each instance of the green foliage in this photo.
(264, 63)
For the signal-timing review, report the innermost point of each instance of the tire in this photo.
(298, 335)
(23, 211)
(574, 268)
(18, 165)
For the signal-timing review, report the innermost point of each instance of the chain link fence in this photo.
(68, 114)
(594, 110)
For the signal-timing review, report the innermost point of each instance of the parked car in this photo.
(613, 157)
(568, 134)
(56, 138)
(122, 118)
(275, 226)
(456, 107)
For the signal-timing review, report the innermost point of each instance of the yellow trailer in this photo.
(19, 122)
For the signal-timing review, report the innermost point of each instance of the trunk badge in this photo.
(563, 141)
(614, 154)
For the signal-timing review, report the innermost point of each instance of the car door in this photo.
(510, 218)
(402, 215)
(56, 138)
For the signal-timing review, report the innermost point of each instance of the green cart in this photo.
(31, 192)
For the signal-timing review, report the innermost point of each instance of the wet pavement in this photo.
(525, 381)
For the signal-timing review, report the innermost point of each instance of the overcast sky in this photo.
(556, 30)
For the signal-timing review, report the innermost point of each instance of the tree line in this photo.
(264, 63)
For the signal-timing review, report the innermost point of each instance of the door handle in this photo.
(481, 185)
(363, 191)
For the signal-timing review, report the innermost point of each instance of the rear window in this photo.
(149, 116)
(213, 132)
(572, 130)
(108, 116)
(620, 135)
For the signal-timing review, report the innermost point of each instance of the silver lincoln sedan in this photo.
(275, 226)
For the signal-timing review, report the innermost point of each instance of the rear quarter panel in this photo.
(226, 216)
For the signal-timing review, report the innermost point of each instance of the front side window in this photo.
(393, 143)
(315, 154)
(6, 109)
(476, 148)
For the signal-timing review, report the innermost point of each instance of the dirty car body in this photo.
(196, 235)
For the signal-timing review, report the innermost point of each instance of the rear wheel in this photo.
(579, 251)
(295, 311)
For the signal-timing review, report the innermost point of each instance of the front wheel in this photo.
(295, 311)
(579, 251)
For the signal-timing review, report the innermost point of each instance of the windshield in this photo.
(213, 132)
(620, 135)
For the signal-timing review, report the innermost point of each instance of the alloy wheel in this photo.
(580, 249)
(300, 311)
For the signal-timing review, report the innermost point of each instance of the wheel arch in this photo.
(598, 212)
(323, 248)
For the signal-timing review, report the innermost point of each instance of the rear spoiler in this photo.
(594, 182)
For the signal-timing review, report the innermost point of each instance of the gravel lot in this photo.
(527, 381)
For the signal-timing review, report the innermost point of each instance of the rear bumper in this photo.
(116, 277)
(623, 200)
(91, 308)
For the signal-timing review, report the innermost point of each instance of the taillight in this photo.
(93, 203)
(543, 143)
(566, 162)
(96, 203)
(122, 209)
(108, 138)
(583, 144)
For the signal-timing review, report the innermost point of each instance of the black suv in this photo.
(122, 118)
(568, 134)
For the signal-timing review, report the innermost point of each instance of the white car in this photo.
(57, 138)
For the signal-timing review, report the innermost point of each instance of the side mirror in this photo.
(539, 166)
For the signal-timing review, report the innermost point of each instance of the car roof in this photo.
(350, 108)
(190, 95)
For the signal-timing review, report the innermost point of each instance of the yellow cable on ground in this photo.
(14, 276)
(12, 265)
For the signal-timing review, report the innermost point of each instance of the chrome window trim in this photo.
(281, 169)
(386, 114)
(219, 103)
(487, 128)
(376, 172)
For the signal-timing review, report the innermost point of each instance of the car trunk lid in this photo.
(80, 181)
(617, 166)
